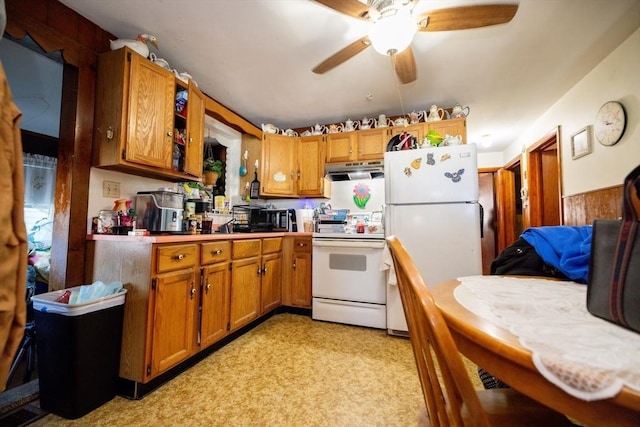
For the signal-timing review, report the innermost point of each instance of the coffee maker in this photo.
(159, 211)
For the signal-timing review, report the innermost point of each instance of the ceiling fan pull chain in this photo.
(396, 78)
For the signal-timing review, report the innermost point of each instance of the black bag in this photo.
(614, 267)
(521, 259)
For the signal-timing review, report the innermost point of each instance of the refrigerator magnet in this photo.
(455, 176)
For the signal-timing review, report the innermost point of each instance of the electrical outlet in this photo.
(110, 189)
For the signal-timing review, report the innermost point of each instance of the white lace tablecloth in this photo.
(585, 356)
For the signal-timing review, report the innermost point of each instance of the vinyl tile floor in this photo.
(288, 371)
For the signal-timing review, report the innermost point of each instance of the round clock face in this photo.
(610, 123)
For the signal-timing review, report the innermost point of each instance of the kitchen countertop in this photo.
(180, 238)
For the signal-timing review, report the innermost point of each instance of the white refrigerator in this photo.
(431, 198)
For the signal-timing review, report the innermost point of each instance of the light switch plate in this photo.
(110, 189)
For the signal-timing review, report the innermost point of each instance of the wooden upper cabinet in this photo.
(341, 147)
(195, 131)
(451, 127)
(372, 144)
(135, 121)
(278, 168)
(311, 156)
(151, 97)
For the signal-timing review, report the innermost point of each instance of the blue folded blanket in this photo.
(566, 248)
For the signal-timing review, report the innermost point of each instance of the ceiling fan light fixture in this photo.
(392, 34)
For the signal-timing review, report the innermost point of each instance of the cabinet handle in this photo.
(302, 244)
(294, 265)
(216, 252)
(193, 291)
(264, 270)
(179, 257)
(207, 287)
(259, 272)
(110, 133)
(169, 133)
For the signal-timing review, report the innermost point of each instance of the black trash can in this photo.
(78, 349)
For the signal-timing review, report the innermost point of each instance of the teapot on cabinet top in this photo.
(269, 128)
(435, 114)
(458, 112)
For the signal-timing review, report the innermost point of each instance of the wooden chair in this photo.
(453, 401)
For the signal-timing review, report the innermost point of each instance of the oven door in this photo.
(348, 270)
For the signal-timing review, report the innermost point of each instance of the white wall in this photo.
(617, 77)
(129, 187)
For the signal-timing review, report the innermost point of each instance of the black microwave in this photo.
(253, 219)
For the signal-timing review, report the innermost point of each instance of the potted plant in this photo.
(211, 169)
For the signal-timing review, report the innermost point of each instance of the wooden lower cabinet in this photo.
(271, 287)
(245, 291)
(174, 306)
(182, 298)
(296, 285)
(214, 292)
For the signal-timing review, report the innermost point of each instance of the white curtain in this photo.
(39, 180)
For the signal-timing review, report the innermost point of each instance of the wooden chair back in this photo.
(433, 347)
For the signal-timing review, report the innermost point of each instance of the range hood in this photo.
(354, 170)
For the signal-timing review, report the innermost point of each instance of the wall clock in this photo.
(610, 124)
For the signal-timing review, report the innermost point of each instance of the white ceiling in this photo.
(256, 56)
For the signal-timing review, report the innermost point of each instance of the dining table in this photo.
(536, 335)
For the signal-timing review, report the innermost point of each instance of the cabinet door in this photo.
(151, 102)
(195, 132)
(214, 303)
(372, 144)
(245, 291)
(271, 293)
(277, 170)
(451, 127)
(311, 156)
(172, 327)
(341, 147)
(301, 281)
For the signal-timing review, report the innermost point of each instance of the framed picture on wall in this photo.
(581, 143)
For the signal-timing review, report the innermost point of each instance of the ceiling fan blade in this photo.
(466, 17)
(352, 8)
(405, 65)
(339, 57)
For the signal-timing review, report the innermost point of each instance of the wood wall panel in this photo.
(582, 209)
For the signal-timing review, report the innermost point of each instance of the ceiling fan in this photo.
(393, 25)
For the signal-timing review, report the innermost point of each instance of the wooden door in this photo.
(311, 155)
(173, 319)
(245, 291)
(544, 183)
(195, 131)
(271, 292)
(214, 303)
(372, 144)
(278, 174)
(487, 201)
(151, 104)
(341, 147)
(505, 208)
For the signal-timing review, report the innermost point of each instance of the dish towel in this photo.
(386, 263)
